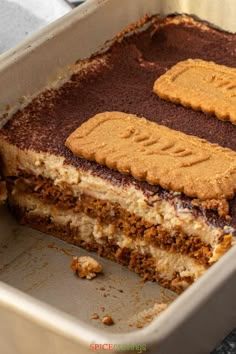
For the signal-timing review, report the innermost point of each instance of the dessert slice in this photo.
(169, 227)
(132, 218)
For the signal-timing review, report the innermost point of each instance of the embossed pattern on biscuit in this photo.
(156, 154)
(201, 85)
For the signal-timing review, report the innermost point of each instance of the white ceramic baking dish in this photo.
(43, 307)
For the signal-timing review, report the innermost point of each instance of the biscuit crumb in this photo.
(94, 316)
(85, 267)
(107, 320)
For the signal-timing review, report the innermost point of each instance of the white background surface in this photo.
(19, 18)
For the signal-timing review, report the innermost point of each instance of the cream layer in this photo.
(90, 229)
(154, 210)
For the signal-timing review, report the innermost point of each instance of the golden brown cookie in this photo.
(156, 154)
(201, 85)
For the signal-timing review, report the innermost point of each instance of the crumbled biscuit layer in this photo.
(133, 226)
(144, 264)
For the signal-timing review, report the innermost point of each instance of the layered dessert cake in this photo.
(167, 213)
